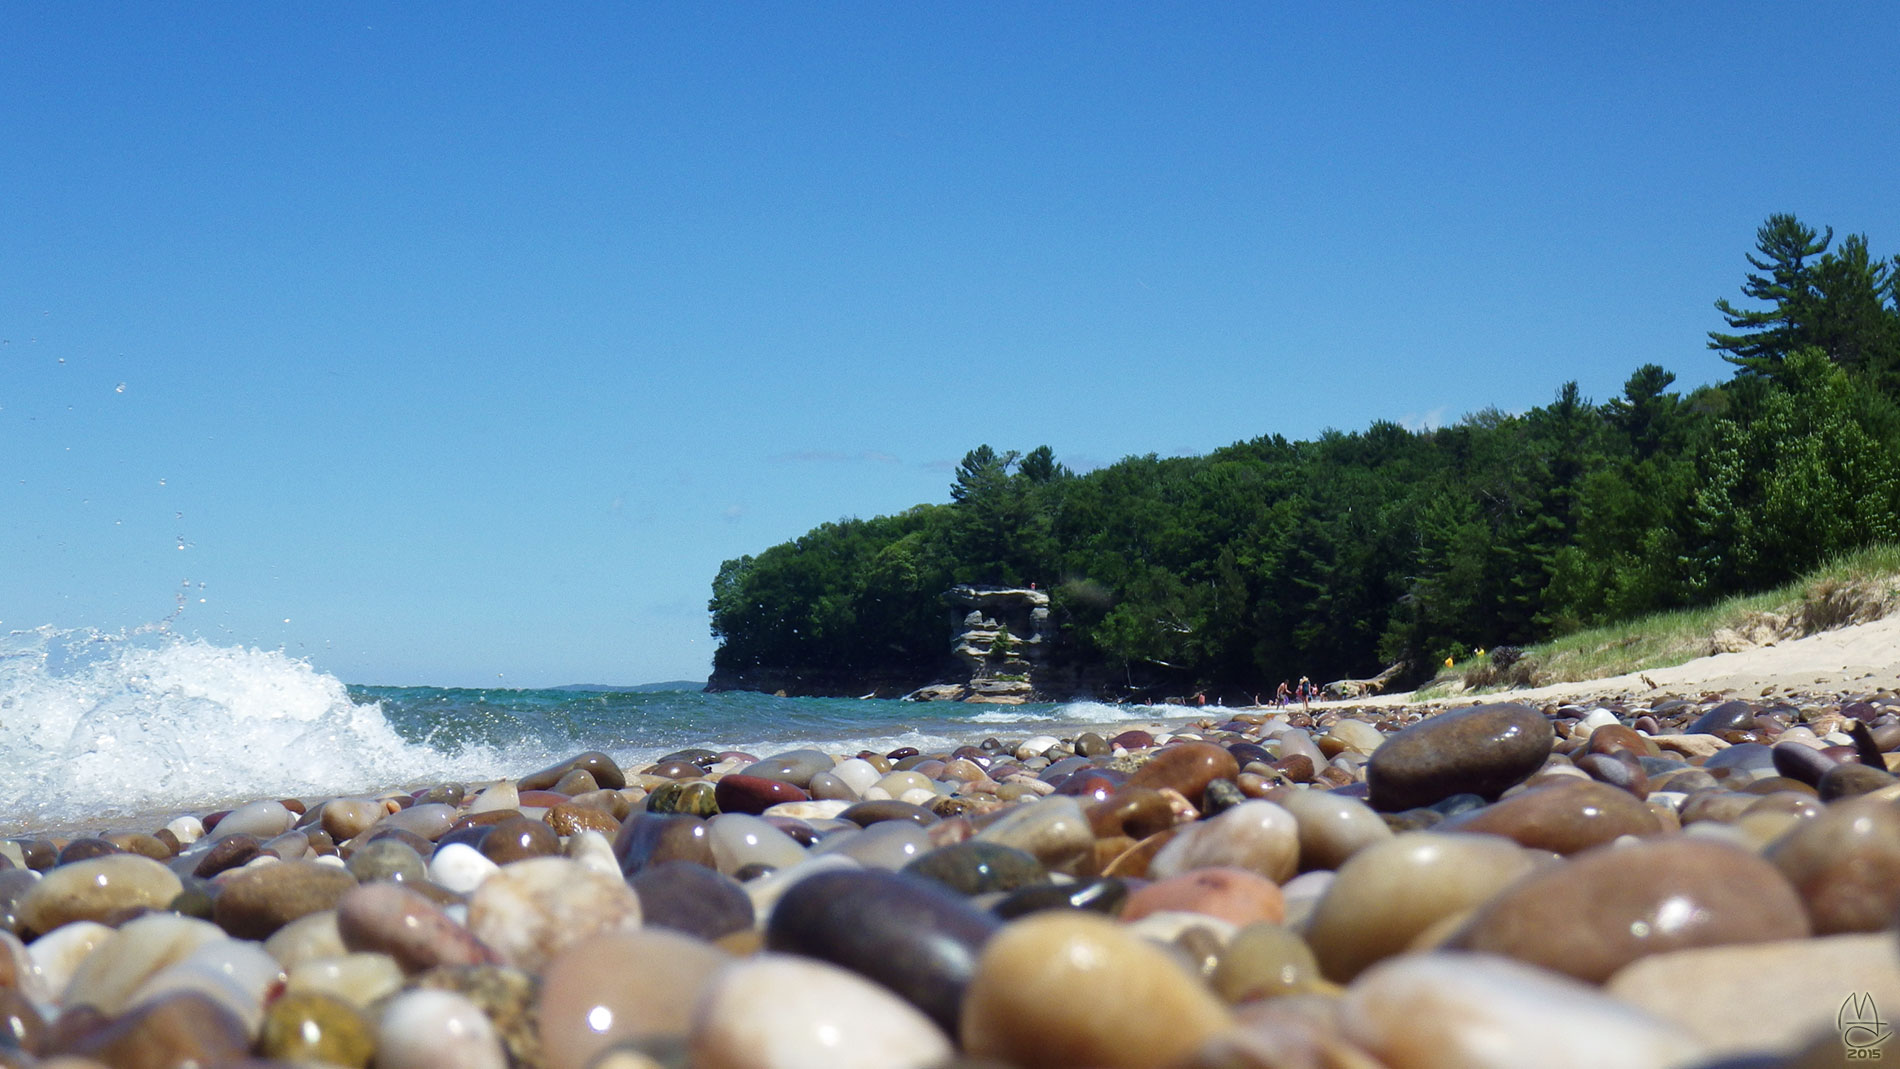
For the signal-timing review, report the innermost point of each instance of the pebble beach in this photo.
(1668, 875)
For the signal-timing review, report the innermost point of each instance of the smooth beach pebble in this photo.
(261, 819)
(347, 818)
(358, 979)
(138, 950)
(460, 868)
(95, 889)
(911, 935)
(517, 838)
(305, 1026)
(1331, 827)
(1481, 750)
(57, 955)
(1052, 830)
(387, 859)
(739, 793)
(598, 767)
(795, 767)
(532, 910)
(738, 840)
(428, 1029)
(1264, 960)
(1563, 817)
(235, 973)
(1237, 896)
(619, 987)
(693, 899)
(1474, 1012)
(1062, 989)
(976, 866)
(1720, 993)
(889, 844)
(178, 1030)
(1604, 908)
(1389, 893)
(1187, 767)
(1255, 835)
(254, 903)
(389, 918)
(775, 1011)
(1845, 864)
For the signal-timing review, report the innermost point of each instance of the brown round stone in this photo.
(519, 837)
(1481, 750)
(1609, 906)
(1564, 816)
(256, 902)
(1845, 862)
(1187, 767)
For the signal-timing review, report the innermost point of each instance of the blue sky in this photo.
(455, 344)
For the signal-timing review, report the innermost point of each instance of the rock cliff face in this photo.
(1002, 637)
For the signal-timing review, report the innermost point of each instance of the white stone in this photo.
(1597, 718)
(918, 796)
(740, 839)
(533, 909)
(265, 820)
(187, 829)
(1035, 746)
(812, 810)
(139, 949)
(429, 1029)
(58, 954)
(313, 935)
(857, 773)
(235, 973)
(591, 850)
(500, 796)
(460, 867)
(774, 1011)
(1474, 1011)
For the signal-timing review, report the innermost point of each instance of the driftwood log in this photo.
(1359, 688)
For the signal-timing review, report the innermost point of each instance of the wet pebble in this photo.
(776, 1011)
(1483, 750)
(1604, 908)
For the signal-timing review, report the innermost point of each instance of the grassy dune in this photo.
(1852, 589)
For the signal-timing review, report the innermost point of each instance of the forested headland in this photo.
(1269, 559)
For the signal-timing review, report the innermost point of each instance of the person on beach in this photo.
(1282, 694)
(1306, 694)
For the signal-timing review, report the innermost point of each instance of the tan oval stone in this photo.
(94, 889)
(1063, 990)
(1390, 892)
(1255, 835)
(1332, 827)
(1264, 961)
(1607, 907)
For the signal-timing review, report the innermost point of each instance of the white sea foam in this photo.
(96, 724)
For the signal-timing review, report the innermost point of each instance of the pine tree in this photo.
(1788, 287)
